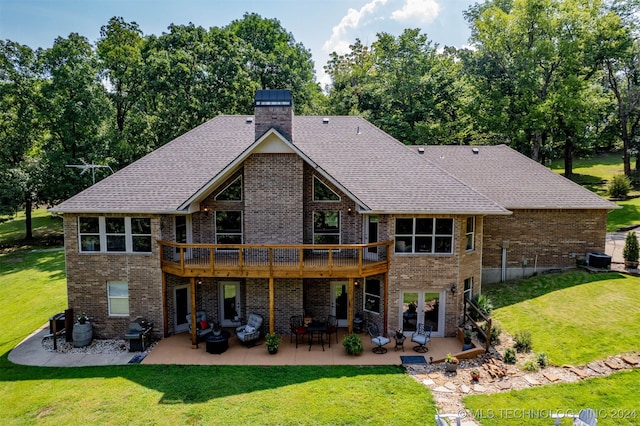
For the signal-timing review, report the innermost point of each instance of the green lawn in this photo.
(600, 311)
(574, 317)
(47, 229)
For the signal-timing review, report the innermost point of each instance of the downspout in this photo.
(505, 247)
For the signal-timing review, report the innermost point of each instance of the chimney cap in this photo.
(273, 98)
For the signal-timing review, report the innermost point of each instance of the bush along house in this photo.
(284, 215)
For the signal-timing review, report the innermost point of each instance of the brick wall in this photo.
(88, 274)
(544, 239)
(279, 118)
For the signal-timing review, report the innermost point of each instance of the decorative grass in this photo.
(573, 317)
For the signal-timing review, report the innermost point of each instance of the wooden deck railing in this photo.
(277, 261)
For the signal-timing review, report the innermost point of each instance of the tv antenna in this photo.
(86, 167)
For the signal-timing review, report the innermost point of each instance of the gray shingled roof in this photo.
(511, 179)
(379, 171)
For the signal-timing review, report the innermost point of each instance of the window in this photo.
(233, 192)
(326, 227)
(372, 292)
(228, 227)
(118, 297)
(321, 192)
(181, 229)
(424, 235)
(470, 234)
(468, 288)
(115, 234)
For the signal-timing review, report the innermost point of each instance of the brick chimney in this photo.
(274, 109)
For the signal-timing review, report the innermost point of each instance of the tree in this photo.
(74, 108)
(20, 130)
(535, 64)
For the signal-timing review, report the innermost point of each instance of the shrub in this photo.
(510, 356)
(484, 305)
(530, 365)
(631, 250)
(496, 330)
(619, 186)
(352, 344)
(542, 360)
(522, 341)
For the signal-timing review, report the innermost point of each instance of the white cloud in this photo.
(420, 10)
(338, 42)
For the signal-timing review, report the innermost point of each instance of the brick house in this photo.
(281, 215)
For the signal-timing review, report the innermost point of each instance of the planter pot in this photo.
(217, 332)
(630, 264)
(467, 346)
(82, 334)
(272, 351)
(450, 367)
(475, 377)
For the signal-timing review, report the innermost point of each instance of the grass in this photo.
(47, 231)
(574, 317)
(594, 173)
(613, 398)
(32, 289)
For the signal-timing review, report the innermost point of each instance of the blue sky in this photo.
(321, 26)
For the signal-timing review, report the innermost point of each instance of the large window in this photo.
(115, 234)
(470, 234)
(326, 227)
(372, 294)
(233, 192)
(424, 235)
(118, 297)
(321, 192)
(228, 227)
(468, 288)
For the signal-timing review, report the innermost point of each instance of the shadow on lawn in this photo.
(185, 384)
(512, 292)
(49, 261)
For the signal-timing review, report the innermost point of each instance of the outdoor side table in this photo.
(316, 329)
(399, 342)
(218, 344)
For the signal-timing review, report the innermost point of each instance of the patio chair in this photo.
(443, 419)
(378, 339)
(297, 328)
(422, 336)
(586, 417)
(249, 333)
(332, 328)
(203, 326)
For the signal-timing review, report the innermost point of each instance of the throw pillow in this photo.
(203, 325)
(248, 329)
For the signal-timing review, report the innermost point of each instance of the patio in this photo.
(177, 350)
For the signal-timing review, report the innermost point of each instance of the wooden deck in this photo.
(275, 261)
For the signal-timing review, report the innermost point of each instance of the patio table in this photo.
(316, 329)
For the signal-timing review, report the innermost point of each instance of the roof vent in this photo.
(358, 130)
(420, 150)
(325, 120)
(475, 150)
(249, 120)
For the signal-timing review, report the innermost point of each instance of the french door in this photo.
(339, 302)
(181, 308)
(422, 307)
(229, 302)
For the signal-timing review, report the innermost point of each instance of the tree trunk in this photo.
(28, 207)
(568, 156)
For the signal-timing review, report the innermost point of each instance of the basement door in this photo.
(339, 302)
(422, 307)
(181, 303)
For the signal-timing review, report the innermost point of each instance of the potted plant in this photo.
(631, 251)
(475, 374)
(451, 363)
(82, 331)
(352, 344)
(467, 340)
(272, 342)
(217, 328)
(399, 333)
